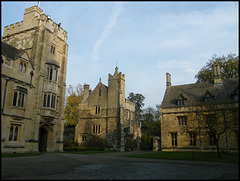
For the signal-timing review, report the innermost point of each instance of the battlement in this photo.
(116, 74)
(33, 17)
(32, 9)
(120, 75)
(129, 102)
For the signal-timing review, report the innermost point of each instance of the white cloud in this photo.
(118, 7)
(185, 66)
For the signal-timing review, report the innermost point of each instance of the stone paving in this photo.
(112, 166)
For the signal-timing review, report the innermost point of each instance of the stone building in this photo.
(34, 61)
(106, 116)
(185, 108)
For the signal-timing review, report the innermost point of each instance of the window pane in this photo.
(22, 100)
(19, 98)
(47, 73)
(50, 75)
(45, 100)
(16, 134)
(53, 101)
(48, 101)
(11, 134)
(15, 99)
(24, 68)
(21, 65)
(56, 75)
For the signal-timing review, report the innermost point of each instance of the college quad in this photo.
(33, 80)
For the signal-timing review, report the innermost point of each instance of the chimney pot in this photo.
(168, 83)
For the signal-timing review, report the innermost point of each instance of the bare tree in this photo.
(212, 120)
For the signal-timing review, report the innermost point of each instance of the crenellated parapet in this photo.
(129, 102)
(53, 27)
(33, 18)
(116, 75)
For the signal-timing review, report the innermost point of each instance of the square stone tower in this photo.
(106, 118)
(41, 119)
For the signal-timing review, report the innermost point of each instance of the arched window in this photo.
(11, 133)
(50, 74)
(19, 97)
(21, 66)
(24, 68)
(48, 100)
(55, 74)
(44, 100)
(52, 71)
(16, 134)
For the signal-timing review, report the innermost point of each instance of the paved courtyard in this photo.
(110, 166)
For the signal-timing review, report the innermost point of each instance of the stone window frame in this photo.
(97, 110)
(84, 138)
(96, 129)
(23, 66)
(52, 73)
(193, 138)
(212, 141)
(181, 101)
(182, 120)
(13, 137)
(19, 97)
(174, 136)
(50, 100)
(53, 50)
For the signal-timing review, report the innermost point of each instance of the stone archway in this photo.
(42, 145)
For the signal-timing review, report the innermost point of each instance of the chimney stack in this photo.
(168, 77)
(85, 91)
(217, 74)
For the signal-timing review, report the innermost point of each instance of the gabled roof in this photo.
(194, 93)
(10, 51)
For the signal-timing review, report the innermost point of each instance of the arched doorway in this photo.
(42, 140)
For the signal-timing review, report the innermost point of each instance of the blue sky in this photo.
(145, 39)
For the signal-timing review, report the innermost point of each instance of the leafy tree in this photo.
(73, 97)
(229, 67)
(138, 100)
(151, 120)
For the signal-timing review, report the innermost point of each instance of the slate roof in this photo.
(194, 93)
(10, 51)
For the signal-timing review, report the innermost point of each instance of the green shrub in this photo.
(146, 142)
(131, 144)
(80, 149)
(70, 143)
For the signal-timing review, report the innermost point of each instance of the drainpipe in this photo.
(4, 96)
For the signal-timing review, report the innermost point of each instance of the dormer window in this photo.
(181, 101)
(23, 66)
(208, 97)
